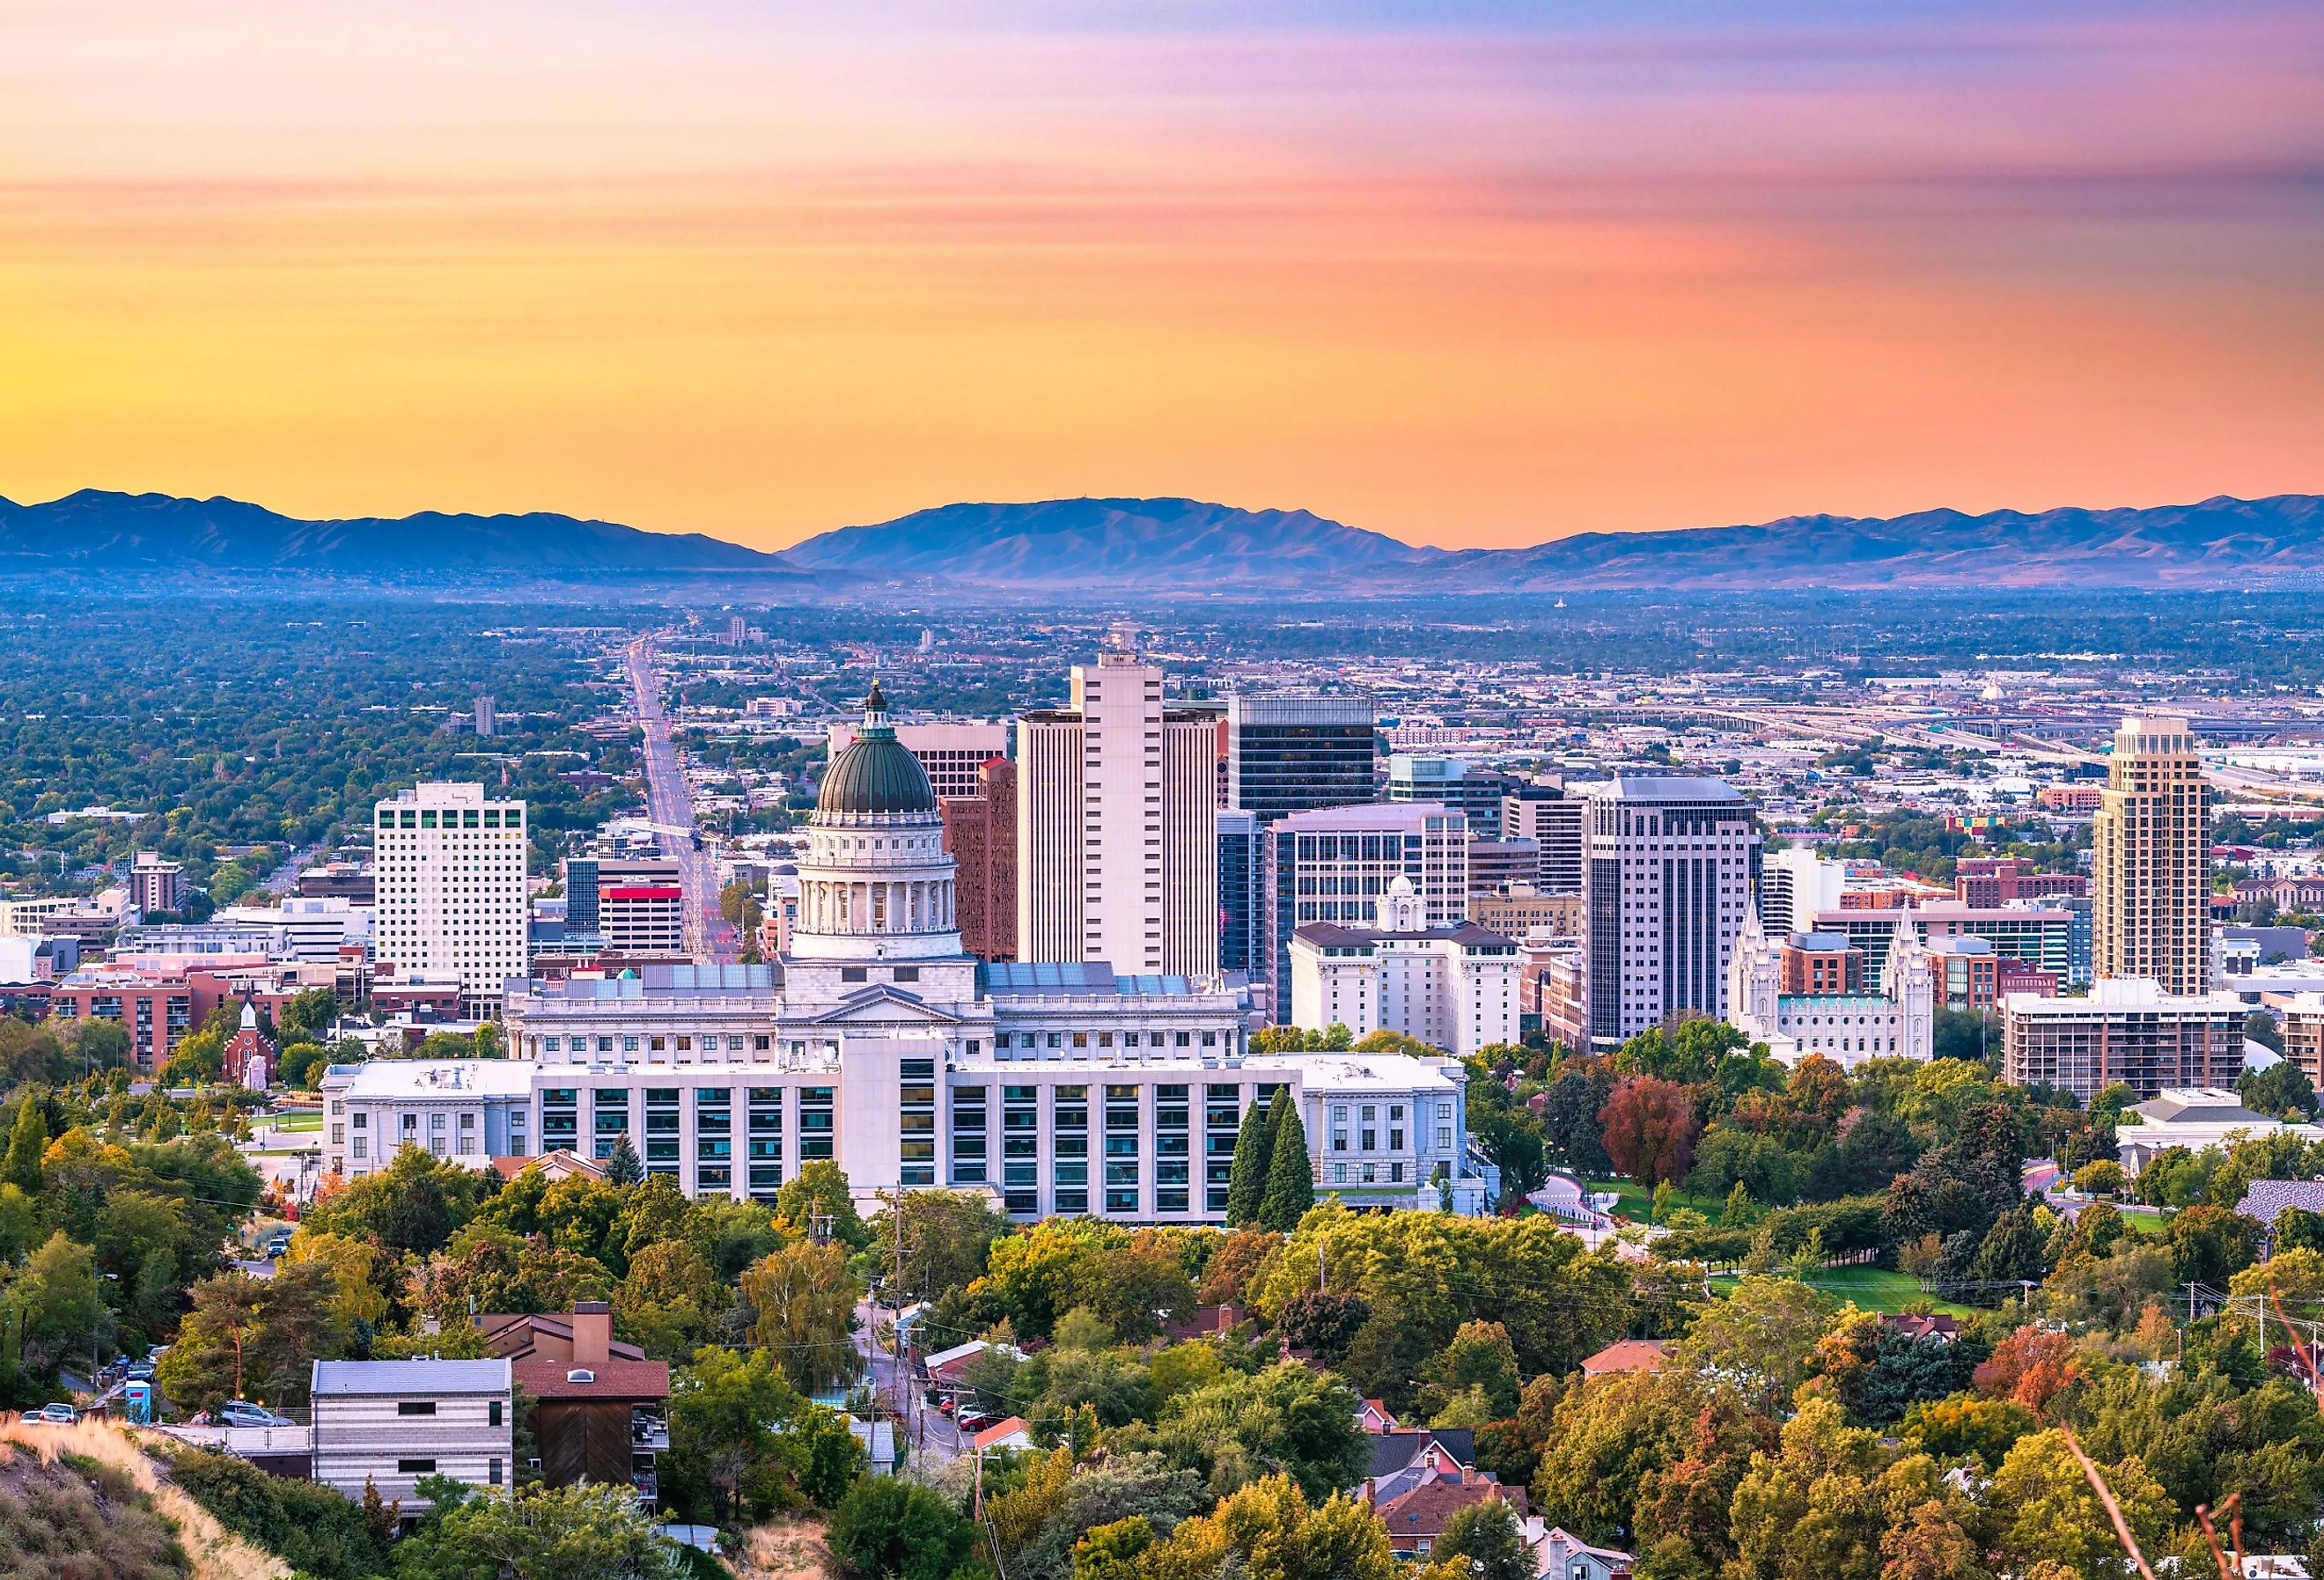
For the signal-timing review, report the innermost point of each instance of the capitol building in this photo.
(878, 1043)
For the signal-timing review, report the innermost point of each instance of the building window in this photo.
(408, 1407)
(415, 1467)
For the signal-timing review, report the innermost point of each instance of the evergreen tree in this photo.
(622, 1165)
(26, 1142)
(1247, 1182)
(1290, 1185)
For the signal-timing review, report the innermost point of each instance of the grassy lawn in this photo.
(2145, 1220)
(297, 1120)
(1872, 1289)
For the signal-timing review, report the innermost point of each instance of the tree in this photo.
(1487, 1541)
(27, 1140)
(2210, 1245)
(2053, 1516)
(947, 1235)
(1814, 1508)
(818, 1202)
(1111, 1552)
(1253, 1155)
(805, 1298)
(1649, 1129)
(415, 1203)
(1287, 1419)
(1323, 1322)
(308, 1015)
(724, 1410)
(586, 1531)
(1290, 1177)
(1270, 1530)
(2280, 1088)
(897, 1529)
(1570, 1122)
(667, 1301)
(267, 1331)
(1759, 1336)
(1479, 1357)
(622, 1165)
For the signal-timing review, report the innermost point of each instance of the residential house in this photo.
(1013, 1433)
(389, 1423)
(1629, 1354)
(596, 1416)
(1415, 1519)
(1561, 1555)
(878, 1440)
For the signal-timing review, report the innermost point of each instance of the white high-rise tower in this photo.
(450, 871)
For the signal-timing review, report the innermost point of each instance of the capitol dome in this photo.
(877, 776)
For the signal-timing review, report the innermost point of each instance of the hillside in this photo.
(95, 529)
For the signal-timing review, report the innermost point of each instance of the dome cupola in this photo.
(877, 776)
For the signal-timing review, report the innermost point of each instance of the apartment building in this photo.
(389, 1423)
(2151, 876)
(1453, 988)
(1545, 814)
(1334, 865)
(2127, 1030)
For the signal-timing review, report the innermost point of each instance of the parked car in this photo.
(977, 1420)
(242, 1413)
(138, 1372)
(51, 1415)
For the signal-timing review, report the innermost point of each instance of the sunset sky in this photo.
(1467, 274)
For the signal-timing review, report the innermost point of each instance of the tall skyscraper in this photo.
(1673, 870)
(1117, 828)
(1288, 754)
(1243, 891)
(1546, 815)
(980, 831)
(450, 868)
(1477, 792)
(1335, 863)
(2151, 846)
(487, 722)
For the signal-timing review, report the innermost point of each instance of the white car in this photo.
(51, 1415)
(242, 1413)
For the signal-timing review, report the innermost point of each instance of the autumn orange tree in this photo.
(1649, 1129)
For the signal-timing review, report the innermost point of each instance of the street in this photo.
(669, 805)
(932, 1437)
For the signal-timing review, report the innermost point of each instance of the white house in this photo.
(389, 1423)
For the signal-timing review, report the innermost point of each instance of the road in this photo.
(669, 803)
(932, 1437)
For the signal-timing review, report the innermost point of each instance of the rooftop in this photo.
(363, 1378)
(1658, 786)
(449, 1077)
(610, 1379)
(1399, 817)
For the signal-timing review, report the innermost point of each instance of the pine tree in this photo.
(1290, 1185)
(26, 1142)
(622, 1165)
(1247, 1182)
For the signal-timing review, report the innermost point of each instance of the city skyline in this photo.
(1461, 278)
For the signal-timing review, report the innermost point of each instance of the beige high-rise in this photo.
(1117, 828)
(2151, 876)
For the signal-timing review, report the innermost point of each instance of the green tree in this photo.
(669, 1299)
(1487, 1541)
(897, 1529)
(270, 1332)
(1111, 1552)
(1253, 1154)
(1479, 1357)
(2052, 1515)
(586, 1531)
(817, 1199)
(622, 1165)
(1290, 1177)
(1287, 1419)
(1761, 1338)
(27, 1140)
(805, 1298)
(1269, 1529)
(946, 1235)
(724, 1410)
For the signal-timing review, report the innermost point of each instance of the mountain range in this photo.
(1187, 547)
(95, 529)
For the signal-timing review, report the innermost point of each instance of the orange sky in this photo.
(724, 267)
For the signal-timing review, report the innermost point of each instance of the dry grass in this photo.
(787, 1550)
(217, 1555)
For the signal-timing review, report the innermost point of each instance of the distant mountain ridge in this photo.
(97, 530)
(1182, 545)
(1188, 548)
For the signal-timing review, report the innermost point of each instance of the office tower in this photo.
(2126, 1030)
(1243, 891)
(951, 752)
(643, 918)
(450, 875)
(737, 630)
(155, 883)
(1673, 867)
(588, 877)
(1333, 865)
(1452, 782)
(486, 723)
(1546, 815)
(2150, 845)
(1496, 864)
(980, 831)
(1117, 826)
(1287, 755)
(1795, 885)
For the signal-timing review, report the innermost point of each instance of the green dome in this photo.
(877, 775)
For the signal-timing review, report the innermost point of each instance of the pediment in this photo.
(884, 1004)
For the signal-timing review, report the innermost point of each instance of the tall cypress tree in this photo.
(26, 1142)
(1247, 1181)
(1290, 1183)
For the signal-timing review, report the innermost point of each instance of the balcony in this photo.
(648, 1489)
(648, 1433)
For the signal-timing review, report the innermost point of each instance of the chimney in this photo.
(1468, 1475)
(593, 1332)
(1368, 1492)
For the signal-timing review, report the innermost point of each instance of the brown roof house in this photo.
(1629, 1354)
(597, 1415)
(1415, 1519)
